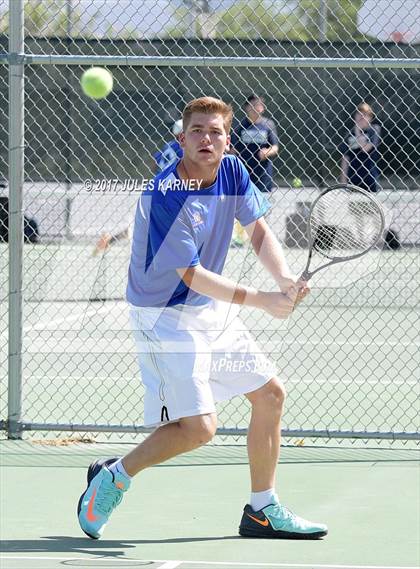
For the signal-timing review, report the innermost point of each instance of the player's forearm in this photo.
(344, 169)
(269, 251)
(211, 284)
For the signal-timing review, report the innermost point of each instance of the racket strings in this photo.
(343, 223)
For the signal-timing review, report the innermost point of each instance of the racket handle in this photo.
(305, 276)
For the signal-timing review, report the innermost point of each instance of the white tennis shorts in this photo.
(193, 356)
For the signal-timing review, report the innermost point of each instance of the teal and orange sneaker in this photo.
(276, 521)
(103, 494)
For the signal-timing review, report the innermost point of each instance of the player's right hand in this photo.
(277, 304)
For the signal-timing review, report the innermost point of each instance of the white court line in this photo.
(94, 558)
(302, 565)
(270, 344)
(170, 565)
(385, 382)
(70, 318)
(345, 342)
(231, 563)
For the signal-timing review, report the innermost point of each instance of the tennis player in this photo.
(193, 349)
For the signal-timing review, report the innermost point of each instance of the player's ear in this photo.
(181, 139)
(227, 143)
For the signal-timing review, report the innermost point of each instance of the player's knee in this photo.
(281, 392)
(201, 429)
(271, 396)
(276, 394)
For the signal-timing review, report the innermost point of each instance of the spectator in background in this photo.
(360, 151)
(171, 151)
(30, 225)
(255, 141)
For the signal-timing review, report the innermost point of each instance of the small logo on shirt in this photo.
(197, 219)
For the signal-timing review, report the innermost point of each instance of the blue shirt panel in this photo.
(170, 153)
(176, 227)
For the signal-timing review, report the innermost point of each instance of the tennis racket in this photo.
(344, 223)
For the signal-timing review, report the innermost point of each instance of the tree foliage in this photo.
(341, 19)
(300, 20)
(50, 18)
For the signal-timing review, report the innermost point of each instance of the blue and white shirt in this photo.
(176, 227)
(170, 153)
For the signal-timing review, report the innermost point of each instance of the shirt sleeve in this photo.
(250, 202)
(272, 134)
(374, 134)
(170, 240)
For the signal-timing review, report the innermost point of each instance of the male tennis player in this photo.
(193, 349)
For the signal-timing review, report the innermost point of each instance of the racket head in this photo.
(345, 222)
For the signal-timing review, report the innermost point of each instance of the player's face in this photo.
(362, 120)
(205, 139)
(256, 108)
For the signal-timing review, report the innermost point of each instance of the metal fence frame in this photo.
(16, 59)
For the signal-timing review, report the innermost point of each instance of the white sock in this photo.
(260, 500)
(118, 466)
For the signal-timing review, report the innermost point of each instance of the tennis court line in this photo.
(94, 558)
(296, 565)
(270, 346)
(385, 382)
(168, 564)
(69, 318)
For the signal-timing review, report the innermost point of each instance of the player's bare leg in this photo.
(171, 440)
(270, 519)
(109, 479)
(264, 433)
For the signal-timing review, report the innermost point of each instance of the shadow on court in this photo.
(64, 544)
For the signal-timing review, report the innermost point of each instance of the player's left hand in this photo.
(295, 289)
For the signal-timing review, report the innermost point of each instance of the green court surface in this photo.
(345, 368)
(185, 514)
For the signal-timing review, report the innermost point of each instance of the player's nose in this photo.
(205, 137)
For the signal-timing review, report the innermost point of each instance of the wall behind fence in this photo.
(311, 107)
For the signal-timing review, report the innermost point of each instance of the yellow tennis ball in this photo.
(297, 183)
(97, 82)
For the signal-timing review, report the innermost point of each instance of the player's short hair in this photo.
(208, 106)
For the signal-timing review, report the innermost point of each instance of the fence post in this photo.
(16, 176)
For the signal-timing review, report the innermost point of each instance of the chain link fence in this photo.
(349, 356)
